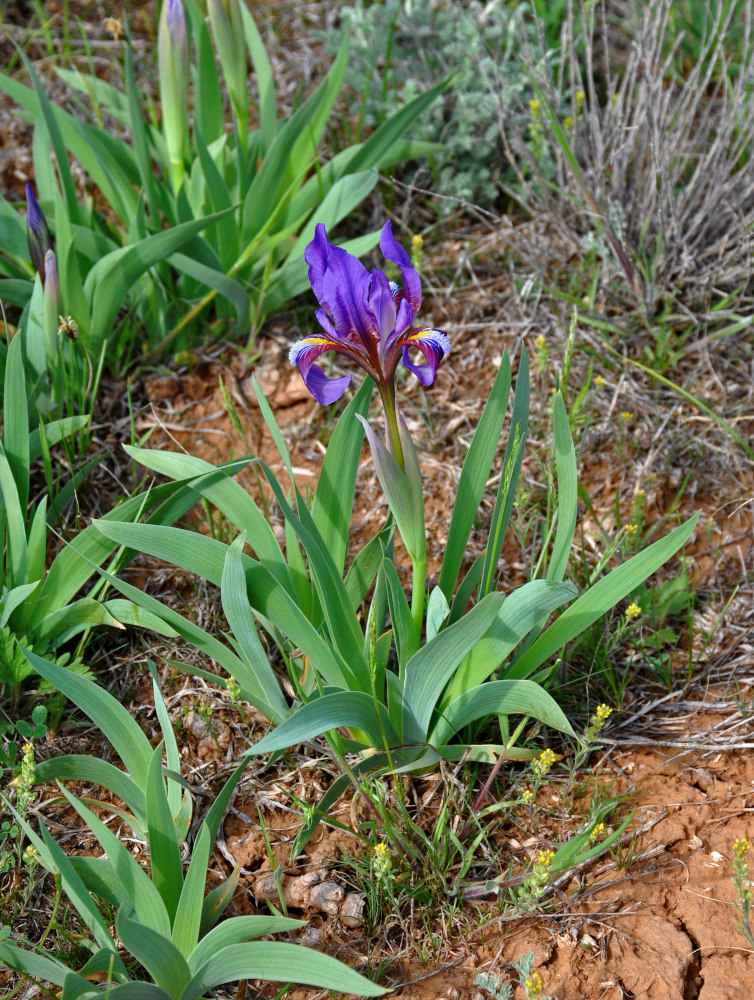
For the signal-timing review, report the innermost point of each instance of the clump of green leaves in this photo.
(200, 218)
(410, 684)
(168, 929)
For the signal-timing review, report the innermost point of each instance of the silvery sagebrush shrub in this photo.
(401, 48)
(647, 164)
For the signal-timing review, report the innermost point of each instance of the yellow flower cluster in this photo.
(741, 847)
(599, 381)
(627, 415)
(541, 765)
(533, 986)
(544, 859)
(417, 251)
(632, 611)
(527, 795)
(382, 862)
(114, 27)
(597, 832)
(596, 722)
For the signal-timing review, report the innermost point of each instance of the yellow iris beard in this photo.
(320, 340)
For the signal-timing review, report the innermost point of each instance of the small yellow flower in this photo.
(534, 107)
(540, 342)
(527, 795)
(640, 494)
(599, 381)
(580, 95)
(632, 611)
(568, 122)
(28, 748)
(544, 859)
(533, 986)
(597, 832)
(596, 723)
(541, 765)
(741, 847)
(381, 861)
(417, 251)
(627, 415)
(631, 529)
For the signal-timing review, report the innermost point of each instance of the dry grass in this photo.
(666, 161)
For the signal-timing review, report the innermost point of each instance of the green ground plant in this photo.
(165, 925)
(405, 715)
(40, 602)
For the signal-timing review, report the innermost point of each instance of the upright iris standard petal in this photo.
(393, 251)
(316, 256)
(366, 317)
(345, 287)
(381, 307)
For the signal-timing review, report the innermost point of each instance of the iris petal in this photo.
(392, 250)
(304, 353)
(381, 305)
(345, 284)
(316, 255)
(434, 345)
(403, 322)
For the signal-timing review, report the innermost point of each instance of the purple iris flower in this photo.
(366, 317)
(40, 240)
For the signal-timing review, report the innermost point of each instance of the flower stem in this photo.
(387, 394)
(418, 585)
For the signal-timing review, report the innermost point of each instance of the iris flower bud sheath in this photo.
(51, 307)
(173, 66)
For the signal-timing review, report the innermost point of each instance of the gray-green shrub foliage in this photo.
(400, 48)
